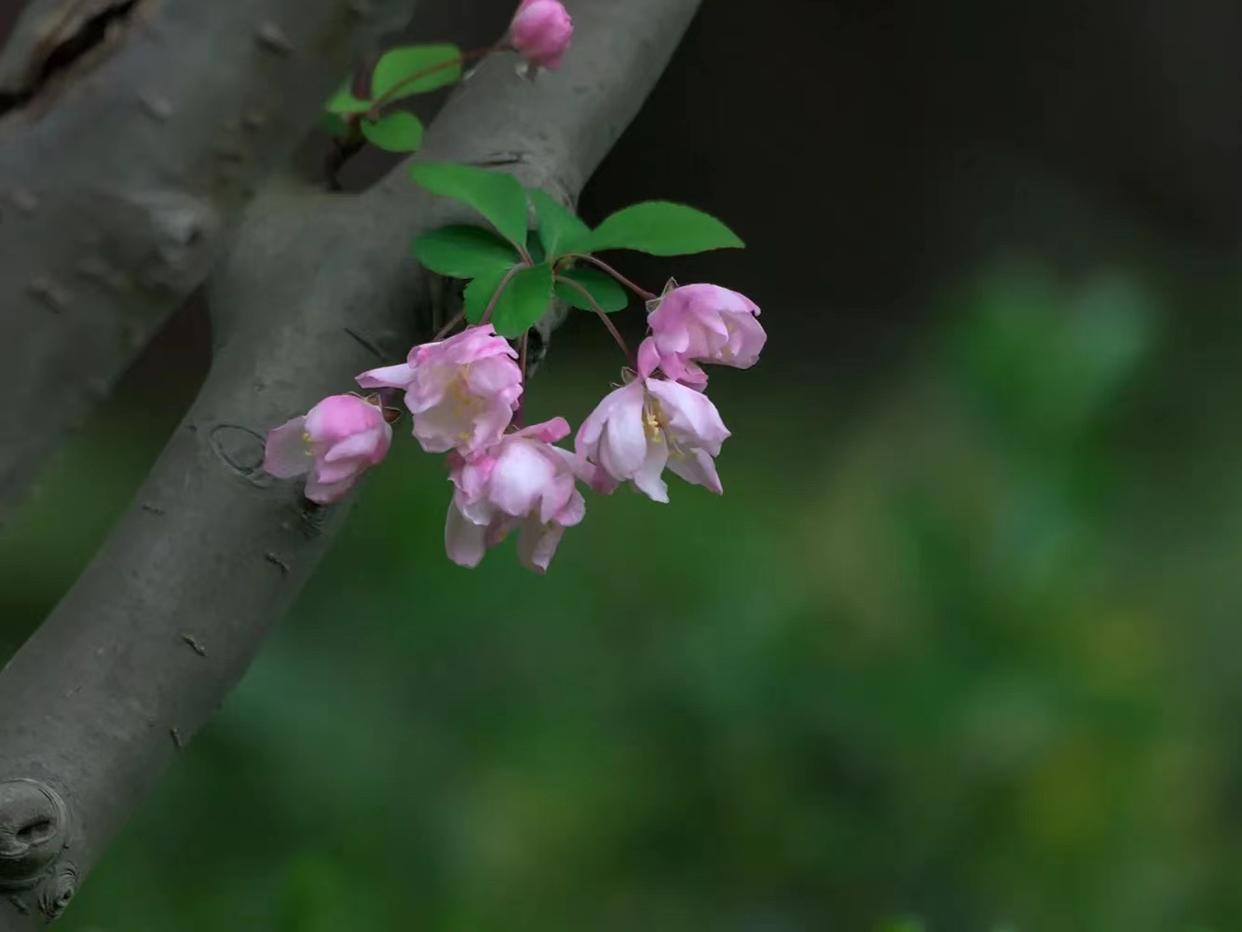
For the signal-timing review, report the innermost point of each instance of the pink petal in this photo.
(623, 446)
(364, 444)
(693, 419)
(386, 377)
(537, 545)
(463, 540)
(648, 357)
(549, 431)
(286, 452)
(698, 468)
(325, 493)
(647, 480)
(338, 416)
(520, 477)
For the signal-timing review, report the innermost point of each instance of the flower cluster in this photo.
(463, 394)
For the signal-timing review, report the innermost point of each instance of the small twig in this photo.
(504, 282)
(601, 264)
(176, 738)
(364, 342)
(152, 509)
(430, 69)
(518, 415)
(599, 311)
(194, 645)
(449, 327)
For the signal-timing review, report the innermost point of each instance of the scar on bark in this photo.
(83, 28)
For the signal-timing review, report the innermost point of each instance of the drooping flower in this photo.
(647, 425)
(541, 32)
(461, 391)
(694, 324)
(523, 481)
(335, 442)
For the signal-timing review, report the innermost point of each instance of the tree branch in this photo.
(171, 611)
(131, 134)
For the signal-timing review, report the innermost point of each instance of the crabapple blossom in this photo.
(694, 324)
(461, 391)
(336, 442)
(541, 31)
(523, 481)
(642, 427)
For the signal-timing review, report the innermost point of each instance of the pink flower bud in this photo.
(638, 430)
(541, 31)
(703, 323)
(523, 481)
(336, 442)
(461, 391)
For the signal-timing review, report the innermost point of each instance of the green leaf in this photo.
(559, 230)
(661, 228)
(479, 293)
(334, 124)
(344, 101)
(394, 132)
(464, 251)
(524, 301)
(495, 195)
(609, 295)
(401, 64)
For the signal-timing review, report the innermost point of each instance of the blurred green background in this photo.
(959, 648)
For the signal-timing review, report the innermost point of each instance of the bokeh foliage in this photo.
(955, 654)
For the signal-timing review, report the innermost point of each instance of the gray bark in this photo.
(131, 134)
(172, 610)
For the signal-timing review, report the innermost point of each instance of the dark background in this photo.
(959, 645)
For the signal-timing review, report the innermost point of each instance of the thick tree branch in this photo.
(170, 613)
(131, 133)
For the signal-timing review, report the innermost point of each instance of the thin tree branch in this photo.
(132, 132)
(96, 703)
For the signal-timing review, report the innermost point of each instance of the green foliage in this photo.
(609, 295)
(1044, 359)
(394, 132)
(435, 65)
(464, 251)
(661, 228)
(904, 924)
(400, 72)
(479, 293)
(334, 124)
(560, 231)
(496, 195)
(344, 101)
(524, 300)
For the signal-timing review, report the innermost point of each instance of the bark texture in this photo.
(172, 610)
(131, 134)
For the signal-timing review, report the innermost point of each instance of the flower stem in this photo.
(608, 324)
(601, 264)
(449, 327)
(504, 282)
(460, 59)
(519, 417)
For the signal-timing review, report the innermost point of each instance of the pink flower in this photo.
(522, 481)
(703, 323)
(646, 425)
(541, 31)
(336, 442)
(462, 391)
